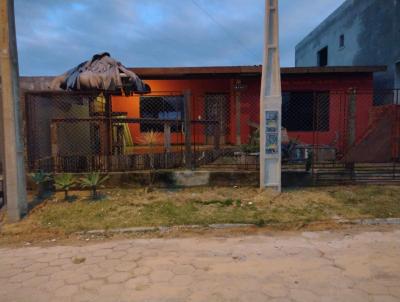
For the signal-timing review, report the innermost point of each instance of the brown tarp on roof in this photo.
(101, 72)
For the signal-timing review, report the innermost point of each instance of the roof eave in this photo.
(216, 71)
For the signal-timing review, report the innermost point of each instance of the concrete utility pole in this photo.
(271, 102)
(14, 182)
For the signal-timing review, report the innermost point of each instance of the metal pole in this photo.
(270, 102)
(13, 153)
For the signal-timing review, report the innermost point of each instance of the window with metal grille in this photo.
(161, 108)
(305, 111)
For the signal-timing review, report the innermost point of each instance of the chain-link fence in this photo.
(231, 141)
(342, 136)
(80, 132)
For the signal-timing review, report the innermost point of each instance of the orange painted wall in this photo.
(197, 87)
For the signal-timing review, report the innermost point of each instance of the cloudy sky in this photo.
(55, 35)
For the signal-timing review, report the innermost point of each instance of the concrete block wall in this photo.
(371, 30)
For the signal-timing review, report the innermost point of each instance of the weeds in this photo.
(151, 139)
(202, 206)
(222, 203)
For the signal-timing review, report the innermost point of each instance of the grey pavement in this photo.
(362, 265)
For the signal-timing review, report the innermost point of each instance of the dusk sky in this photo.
(55, 35)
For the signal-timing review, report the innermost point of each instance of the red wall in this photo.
(332, 82)
(336, 84)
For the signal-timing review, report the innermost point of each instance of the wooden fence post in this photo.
(54, 144)
(188, 129)
(217, 135)
(167, 137)
(109, 125)
(238, 97)
(351, 126)
(167, 143)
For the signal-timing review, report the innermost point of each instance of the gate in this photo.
(365, 145)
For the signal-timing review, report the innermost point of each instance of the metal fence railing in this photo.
(86, 131)
(79, 132)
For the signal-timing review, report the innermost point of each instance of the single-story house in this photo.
(324, 106)
(231, 95)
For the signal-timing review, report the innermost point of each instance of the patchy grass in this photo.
(134, 207)
(369, 201)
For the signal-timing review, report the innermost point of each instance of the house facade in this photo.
(208, 113)
(231, 95)
(359, 32)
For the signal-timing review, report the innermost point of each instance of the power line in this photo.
(224, 28)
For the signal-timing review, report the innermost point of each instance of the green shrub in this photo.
(64, 182)
(93, 181)
(41, 178)
(254, 143)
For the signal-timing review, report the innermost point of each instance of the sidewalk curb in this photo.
(369, 221)
(372, 221)
(166, 228)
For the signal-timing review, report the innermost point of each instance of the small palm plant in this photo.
(41, 178)
(93, 181)
(64, 182)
